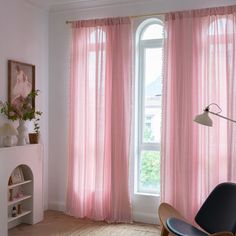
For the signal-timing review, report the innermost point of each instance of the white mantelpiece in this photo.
(31, 157)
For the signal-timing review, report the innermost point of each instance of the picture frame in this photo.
(17, 176)
(21, 81)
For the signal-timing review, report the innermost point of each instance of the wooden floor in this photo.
(57, 224)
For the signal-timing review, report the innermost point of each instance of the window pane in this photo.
(154, 31)
(98, 36)
(152, 95)
(149, 179)
(221, 26)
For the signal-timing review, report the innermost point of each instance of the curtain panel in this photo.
(100, 116)
(200, 64)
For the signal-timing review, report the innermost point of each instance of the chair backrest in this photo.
(218, 213)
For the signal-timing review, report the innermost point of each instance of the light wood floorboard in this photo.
(58, 224)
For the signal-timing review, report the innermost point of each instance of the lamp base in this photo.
(7, 141)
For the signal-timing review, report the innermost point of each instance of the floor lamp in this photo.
(204, 118)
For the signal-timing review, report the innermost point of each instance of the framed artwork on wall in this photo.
(21, 81)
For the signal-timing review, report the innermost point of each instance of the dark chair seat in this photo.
(217, 215)
(182, 228)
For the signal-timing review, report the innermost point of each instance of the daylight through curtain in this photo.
(200, 64)
(100, 115)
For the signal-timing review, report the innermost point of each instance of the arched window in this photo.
(149, 57)
(221, 26)
(97, 56)
(221, 38)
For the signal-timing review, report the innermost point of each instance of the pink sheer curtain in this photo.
(200, 69)
(100, 116)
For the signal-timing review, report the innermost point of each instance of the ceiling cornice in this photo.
(38, 5)
(86, 5)
(94, 4)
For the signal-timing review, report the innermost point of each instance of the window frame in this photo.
(141, 46)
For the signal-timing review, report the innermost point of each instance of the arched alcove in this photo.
(20, 196)
(26, 171)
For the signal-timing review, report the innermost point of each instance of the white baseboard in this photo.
(137, 216)
(57, 206)
(145, 218)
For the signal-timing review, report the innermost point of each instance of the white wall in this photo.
(59, 45)
(24, 37)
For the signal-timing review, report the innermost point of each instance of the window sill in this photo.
(147, 194)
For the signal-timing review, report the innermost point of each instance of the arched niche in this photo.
(20, 196)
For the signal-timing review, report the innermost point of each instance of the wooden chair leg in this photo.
(165, 211)
(164, 231)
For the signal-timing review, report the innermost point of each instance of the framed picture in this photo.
(17, 176)
(21, 81)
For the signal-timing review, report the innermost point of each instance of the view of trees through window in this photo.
(150, 51)
(150, 172)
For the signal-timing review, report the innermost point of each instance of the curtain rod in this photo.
(137, 16)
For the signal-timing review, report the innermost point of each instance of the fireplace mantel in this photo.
(31, 158)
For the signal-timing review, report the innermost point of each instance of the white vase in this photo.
(22, 133)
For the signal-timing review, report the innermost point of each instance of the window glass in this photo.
(149, 181)
(153, 31)
(152, 94)
(98, 36)
(221, 26)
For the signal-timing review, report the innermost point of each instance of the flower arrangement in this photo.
(23, 111)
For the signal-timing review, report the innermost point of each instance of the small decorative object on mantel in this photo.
(22, 111)
(34, 137)
(7, 131)
(22, 133)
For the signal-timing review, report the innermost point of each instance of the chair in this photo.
(217, 216)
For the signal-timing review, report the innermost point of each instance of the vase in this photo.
(22, 133)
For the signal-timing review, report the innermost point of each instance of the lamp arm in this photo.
(221, 116)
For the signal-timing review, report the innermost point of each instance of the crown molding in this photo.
(38, 5)
(85, 5)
